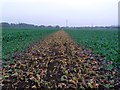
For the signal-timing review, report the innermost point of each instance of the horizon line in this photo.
(92, 25)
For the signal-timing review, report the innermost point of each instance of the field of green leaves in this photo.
(101, 41)
(14, 40)
(95, 65)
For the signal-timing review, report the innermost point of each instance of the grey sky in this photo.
(56, 12)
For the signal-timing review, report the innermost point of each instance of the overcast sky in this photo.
(56, 12)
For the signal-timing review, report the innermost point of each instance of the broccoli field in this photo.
(101, 41)
(15, 39)
(68, 58)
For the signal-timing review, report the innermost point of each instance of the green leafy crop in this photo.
(102, 41)
(14, 40)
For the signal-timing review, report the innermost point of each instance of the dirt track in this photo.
(58, 62)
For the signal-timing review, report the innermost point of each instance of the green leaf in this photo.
(110, 67)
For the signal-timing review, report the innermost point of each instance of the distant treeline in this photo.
(27, 26)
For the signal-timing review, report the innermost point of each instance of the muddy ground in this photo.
(57, 62)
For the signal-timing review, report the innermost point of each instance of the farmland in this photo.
(59, 63)
(15, 39)
(102, 41)
(51, 58)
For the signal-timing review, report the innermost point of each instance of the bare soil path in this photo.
(58, 63)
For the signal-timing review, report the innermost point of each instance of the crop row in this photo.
(14, 40)
(103, 42)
